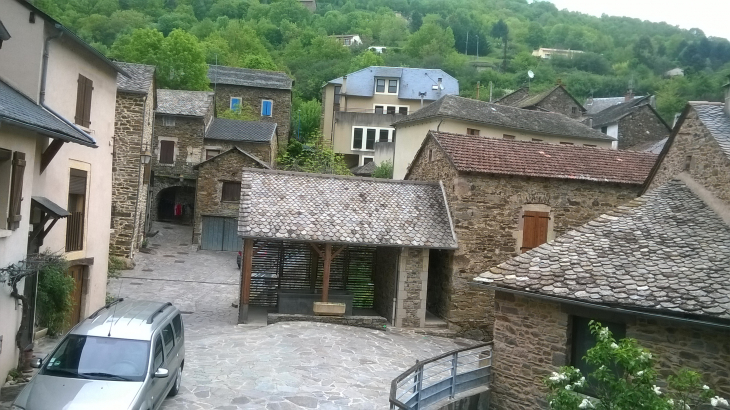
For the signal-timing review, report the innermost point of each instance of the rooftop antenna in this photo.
(111, 323)
(530, 76)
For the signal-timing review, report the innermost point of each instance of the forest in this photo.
(476, 41)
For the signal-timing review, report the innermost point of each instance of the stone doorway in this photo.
(176, 204)
(439, 287)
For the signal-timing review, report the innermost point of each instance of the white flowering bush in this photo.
(625, 379)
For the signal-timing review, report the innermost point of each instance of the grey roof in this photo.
(654, 147)
(717, 121)
(665, 251)
(533, 100)
(4, 35)
(615, 113)
(596, 105)
(467, 109)
(364, 170)
(237, 130)
(179, 102)
(49, 207)
(249, 77)
(412, 81)
(139, 77)
(19, 110)
(230, 151)
(305, 207)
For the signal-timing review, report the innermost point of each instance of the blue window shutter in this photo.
(235, 104)
(266, 108)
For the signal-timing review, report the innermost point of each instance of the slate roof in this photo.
(19, 110)
(473, 153)
(180, 102)
(596, 105)
(249, 77)
(665, 251)
(717, 121)
(412, 82)
(505, 116)
(615, 113)
(364, 170)
(138, 80)
(655, 147)
(349, 210)
(237, 130)
(230, 151)
(533, 100)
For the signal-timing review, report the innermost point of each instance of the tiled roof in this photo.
(613, 114)
(350, 210)
(466, 109)
(472, 153)
(179, 102)
(17, 109)
(364, 170)
(596, 105)
(231, 151)
(655, 147)
(218, 74)
(237, 130)
(665, 251)
(532, 100)
(717, 121)
(412, 82)
(139, 77)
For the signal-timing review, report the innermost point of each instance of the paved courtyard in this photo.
(296, 365)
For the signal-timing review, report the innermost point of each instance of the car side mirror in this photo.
(161, 373)
(36, 362)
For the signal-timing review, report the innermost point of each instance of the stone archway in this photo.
(174, 201)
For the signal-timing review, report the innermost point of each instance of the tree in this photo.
(366, 59)
(259, 62)
(142, 46)
(305, 119)
(431, 39)
(535, 35)
(501, 30)
(181, 63)
(313, 157)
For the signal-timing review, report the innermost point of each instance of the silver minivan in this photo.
(127, 355)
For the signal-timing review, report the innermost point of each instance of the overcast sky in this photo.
(711, 16)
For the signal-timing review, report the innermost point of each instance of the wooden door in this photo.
(77, 273)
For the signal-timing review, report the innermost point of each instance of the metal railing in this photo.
(75, 232)
(442, 377)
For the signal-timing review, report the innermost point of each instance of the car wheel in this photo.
(176, 386)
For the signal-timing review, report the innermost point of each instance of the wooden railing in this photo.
(435, 381)
(75, 232)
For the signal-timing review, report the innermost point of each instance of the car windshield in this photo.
(99, 358)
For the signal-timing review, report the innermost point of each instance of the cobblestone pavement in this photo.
(295, 365)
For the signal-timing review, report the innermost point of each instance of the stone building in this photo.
(635, 123)
(132, 142)
(509, 196)
(555, 99)
(181, 120)
(266, 94)
(217, 198)
(254, 137)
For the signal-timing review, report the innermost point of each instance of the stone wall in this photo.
(412, 285)
(640, 127)
(211, 175)
(532, 339)
(189, 133)
(186, 196)
(486, 212)
(559, 101)
(266, 152)
(384, 276)
(370, 322)
(252, 96)
(709, 165)
(132, 134)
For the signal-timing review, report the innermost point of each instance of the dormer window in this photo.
(386, 86)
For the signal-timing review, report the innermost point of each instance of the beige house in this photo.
(57, 99)
(548, 53)
(358, 109)
(472, 117)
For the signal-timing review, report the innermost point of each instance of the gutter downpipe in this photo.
(44, 65)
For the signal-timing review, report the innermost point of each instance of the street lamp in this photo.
(145, 156)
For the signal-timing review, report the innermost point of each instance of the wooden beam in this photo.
(246, 268)
(338, 251)
(316, 248)
(327, 261)
(49, 153)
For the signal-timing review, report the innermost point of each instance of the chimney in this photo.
(441, 87)
(344, 85)
(629, 95)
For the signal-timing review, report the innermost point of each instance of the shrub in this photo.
(54, 300)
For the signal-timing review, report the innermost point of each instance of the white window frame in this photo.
(240, 104)
(362, 159)
(364, 137)
(263, 100)
(168, 121)
(174, 151)
(397, 107)
(387, 82)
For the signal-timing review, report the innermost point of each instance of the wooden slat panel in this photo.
(16, 190)
(534, 230)
(80, 94)
(212, 234)
(167, 152)
(87, 102)
(75, 232)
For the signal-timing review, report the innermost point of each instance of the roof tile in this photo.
(249, 77)
(180, 102)
(139, 77)
(717, 122)
(237, 130)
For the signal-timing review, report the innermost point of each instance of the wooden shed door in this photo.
(77, 273)
(220, 234)
(535, 229)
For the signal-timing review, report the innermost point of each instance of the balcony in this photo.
(75, 232)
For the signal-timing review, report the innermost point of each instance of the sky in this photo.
(710, 16)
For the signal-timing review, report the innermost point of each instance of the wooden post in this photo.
(326, 271)
(246, 267)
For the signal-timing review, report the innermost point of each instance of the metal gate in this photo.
(220, 234)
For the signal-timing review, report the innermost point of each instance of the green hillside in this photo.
(180, 35)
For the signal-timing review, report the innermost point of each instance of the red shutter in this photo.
(83, 101)
(534, 229)
(16, 190)
(167, 152)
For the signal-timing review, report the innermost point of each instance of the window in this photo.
(534, 229)
(210, 153)
(177, 325)
(604, 130)
(157, 363)
(392, 86)
(231, 192)
(167, 152)
(378, 109)
(77, 209)
(367, 160)
(403, 110)
(236, 103)
(12, 165)
(380, 85)
(83, 101)
(565, 143)
(430, 155)
(168, 121)
(338, 94)
(168, 337)
(536, 140)
(574, 110)
(508, 137)
(267, 108)
(582, 340)
(472, 131)
(348, 41)
(688, 163)
(391, 109)
(365, 138)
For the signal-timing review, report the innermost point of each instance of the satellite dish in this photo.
(530, 74)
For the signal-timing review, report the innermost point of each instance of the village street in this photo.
(284, 366)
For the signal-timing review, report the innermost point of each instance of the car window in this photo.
(158, 354)
(178, 326)
(168, 337)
